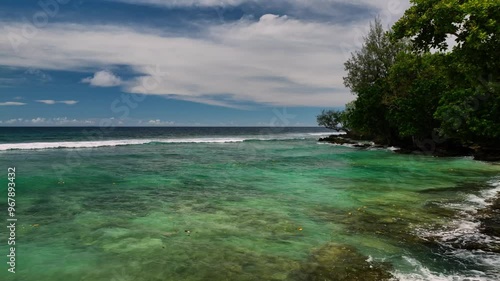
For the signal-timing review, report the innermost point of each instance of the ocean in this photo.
(227, 203)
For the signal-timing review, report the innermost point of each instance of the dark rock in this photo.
(486, 154)
(405, 151)
(444, 150)
(336, 140)
(490, 221)
(334, 262)
(452, 152)
(362, 145)
(344, 140)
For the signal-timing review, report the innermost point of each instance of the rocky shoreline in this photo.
(490, 219)
(489, 154)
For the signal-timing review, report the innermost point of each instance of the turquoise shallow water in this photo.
(241, 208)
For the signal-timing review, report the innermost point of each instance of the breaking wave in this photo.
(462, 239)
(122, 142)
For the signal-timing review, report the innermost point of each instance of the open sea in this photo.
(215, 204)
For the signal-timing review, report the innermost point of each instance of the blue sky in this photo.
(178, 63)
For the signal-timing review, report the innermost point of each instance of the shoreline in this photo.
(490, 219)
(478, 153)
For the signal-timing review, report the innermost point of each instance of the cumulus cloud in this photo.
(276, 60)
(13, 121)
(65, 121)
(37, 120)
(158, 122)
(68, 102)
(11, 103)
(68, 121)
(103, 78)
(56, 121)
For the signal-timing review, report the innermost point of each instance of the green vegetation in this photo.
(331, 119)
(414, 91)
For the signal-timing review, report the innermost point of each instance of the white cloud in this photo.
(68, 102)
(388, 10)
(276, 60)
(12, 121)
(11, 103)
(38, 120)
(184, 3)
(57, 121)
(65, 121)
(324, 6)
(158, 122)
(46, 101)
(103, 78)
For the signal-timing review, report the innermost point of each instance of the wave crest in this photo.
(108, 143)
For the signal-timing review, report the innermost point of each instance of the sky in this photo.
(179, 62)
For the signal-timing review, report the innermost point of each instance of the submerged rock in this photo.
(334, 262)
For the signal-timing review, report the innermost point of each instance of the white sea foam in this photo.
(72, 144)
(91, 144)
(460, 232)
(327, 134)
(350, 145)
(422, 273)
(467, 226)
(107, 143)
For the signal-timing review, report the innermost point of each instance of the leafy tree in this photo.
(408, 82)
(367, 72)
(469, 109)
(417, 82)
(331, 119)
(471, 115)
(373, 61)
(473, 23)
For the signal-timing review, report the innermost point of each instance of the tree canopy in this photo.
(331, 119)
(411, 85)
